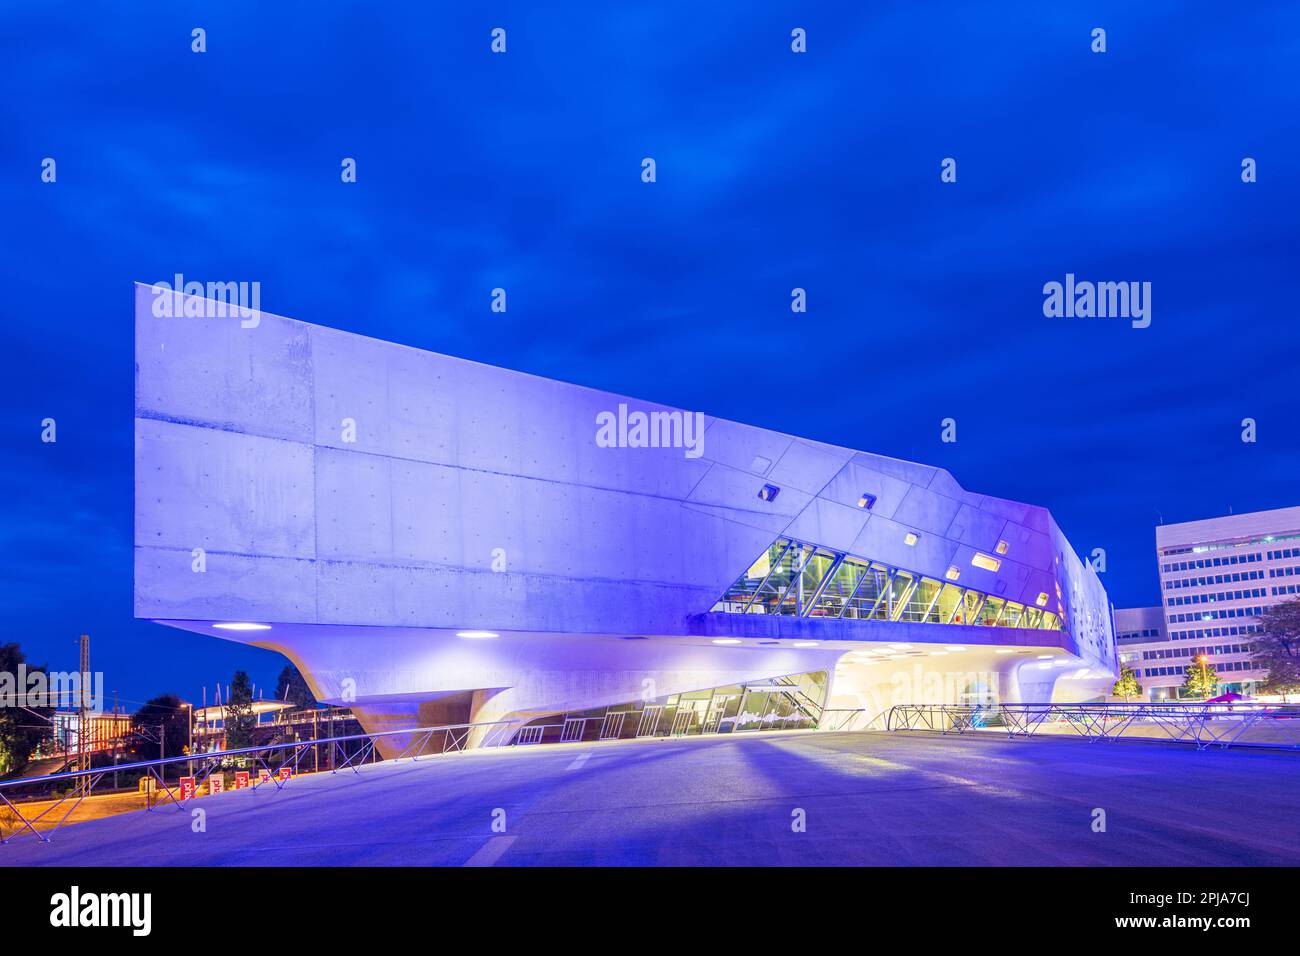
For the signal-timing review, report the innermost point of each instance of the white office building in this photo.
(1216, 577)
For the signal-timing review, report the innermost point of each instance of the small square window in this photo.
(985, 561)
(769, 492)
(954, 572)
(1002, 547)
(910, 538)
(1042, 599)
(867, 500)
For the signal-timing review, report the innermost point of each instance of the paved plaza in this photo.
(757, 799)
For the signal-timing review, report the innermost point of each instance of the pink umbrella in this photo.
(1227, 698)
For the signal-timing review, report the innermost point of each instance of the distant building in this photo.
(1139, 624)
(102, 731)
(272, 720)
(1216, 577)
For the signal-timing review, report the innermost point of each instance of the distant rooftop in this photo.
(1252, 525)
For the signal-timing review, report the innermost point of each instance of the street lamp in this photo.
(1205, 674)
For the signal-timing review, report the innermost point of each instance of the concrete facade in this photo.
(367, 502)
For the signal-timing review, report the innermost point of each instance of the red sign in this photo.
(263, 776)
(216, 783)
(187, 788)
(241, 779)
(284, 773)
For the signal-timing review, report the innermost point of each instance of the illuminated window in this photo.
(797, 579)
(769, 492)
(1002, 547)
(985, 561)
(1041, 601)
(867, 500)
(910, 538)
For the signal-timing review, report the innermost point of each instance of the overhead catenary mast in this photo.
(83, 746)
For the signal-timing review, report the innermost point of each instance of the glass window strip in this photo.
(934, 601)
(795, 558)
(862, 579)
(826, 579)
(957, 604)
(776, 567)
(896, 612)
(804, 557)
(869, 573)
(771, 568)
(884, 594)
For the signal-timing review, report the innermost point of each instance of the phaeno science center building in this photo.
(432, 541)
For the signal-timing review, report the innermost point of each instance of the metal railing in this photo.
(423, 741)
(846, 719)
(1202, 724)
(530, 735)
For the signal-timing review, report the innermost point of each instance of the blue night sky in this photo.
(775, 170)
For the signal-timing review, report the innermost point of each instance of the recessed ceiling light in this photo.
(1044, 657)
(954, 647)
(805, 643)
(242, 626)
(1004, 650)
(726, 640)
(477, 635)
(938, 653)
(901, 647)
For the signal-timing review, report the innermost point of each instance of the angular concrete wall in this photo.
(330, 480)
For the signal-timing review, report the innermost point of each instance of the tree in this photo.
(1201, 679)
(22, 727)
(1277, 647)
(239, 717)
(1127, 686)
(168, 713)
(293, 688)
